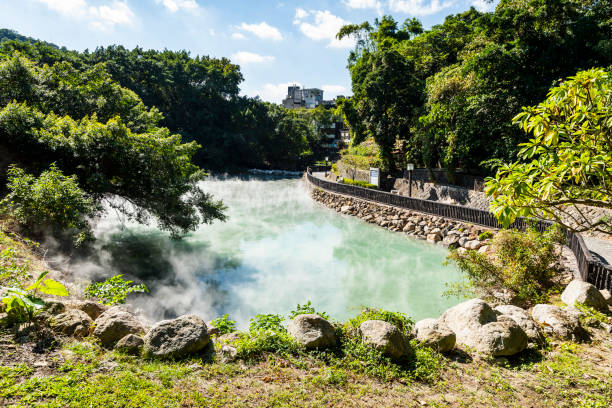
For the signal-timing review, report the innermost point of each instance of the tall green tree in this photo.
(567, 165)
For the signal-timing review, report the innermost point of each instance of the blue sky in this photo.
(276, 42)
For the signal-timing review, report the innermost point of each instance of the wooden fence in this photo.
(591, 270)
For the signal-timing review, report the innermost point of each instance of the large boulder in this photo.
(385, 337)
(522, 318)
(312, 331)
(72, 323)
(177, 337)
(583, 292)
(477, 326)
(467, 317)
(558, 322)
(434, 334)
(114, 324)
(501, 338)
(130, 344)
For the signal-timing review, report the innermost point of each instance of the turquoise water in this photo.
(277, 249)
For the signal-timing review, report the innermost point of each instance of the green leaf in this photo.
(54, 288)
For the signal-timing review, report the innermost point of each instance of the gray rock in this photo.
(130, 344)
(607, 296)
(114, 324)
(72, 323)
(312, 331)
(385, 337)
(558, 322)
(501, 338)
(583, 292)
(434, 334)
(408, 227)
(473, 245)
(522, 318)
(93, 309)
(54, 306)
(468, 316)
(227, 353)
(177, 337)
(476, 325)
(434, 237)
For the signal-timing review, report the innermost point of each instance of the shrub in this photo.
(521, 265)
(21, 305)
(12, 272)
(403, 323)
(485, 235)
(113, 290)
(267, 322)
(224, 324)
(51, 200)
(255, 344)
(306, 308)
(359, 183)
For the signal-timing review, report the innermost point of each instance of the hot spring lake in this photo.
(277, 248)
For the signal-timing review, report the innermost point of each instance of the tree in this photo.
(567, 165)
(387, 96)
(108, 139)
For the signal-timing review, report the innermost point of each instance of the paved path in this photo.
(601, 249)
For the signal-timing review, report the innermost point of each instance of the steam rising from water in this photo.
(278, 248)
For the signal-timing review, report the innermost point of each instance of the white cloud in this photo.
(300, 13)
(334, 90)
(67, 7)
(176, 5)
(262, 30)
(419, 7)
(483, 6)
(101, 17)
(238, 36)
(107, 16)
(323, 26)
(275, 92)
(246, 57)
(364, 4)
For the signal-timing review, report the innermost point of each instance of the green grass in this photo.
(89, 376)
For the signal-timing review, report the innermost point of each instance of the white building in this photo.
(303, 98)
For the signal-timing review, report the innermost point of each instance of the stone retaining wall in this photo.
(436, 230)
(444, 193)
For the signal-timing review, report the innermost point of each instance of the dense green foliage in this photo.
(113, 290)
(224, 324)
(199, 100)
(568, 162)
(451, 92)
(521, 267)
(102, 133)
(50, 201)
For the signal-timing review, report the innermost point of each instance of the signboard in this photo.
(375, 176)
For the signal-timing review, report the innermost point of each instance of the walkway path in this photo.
(601, 249)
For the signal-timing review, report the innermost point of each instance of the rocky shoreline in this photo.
(436, 230)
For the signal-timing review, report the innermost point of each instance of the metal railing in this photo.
(591, 270)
